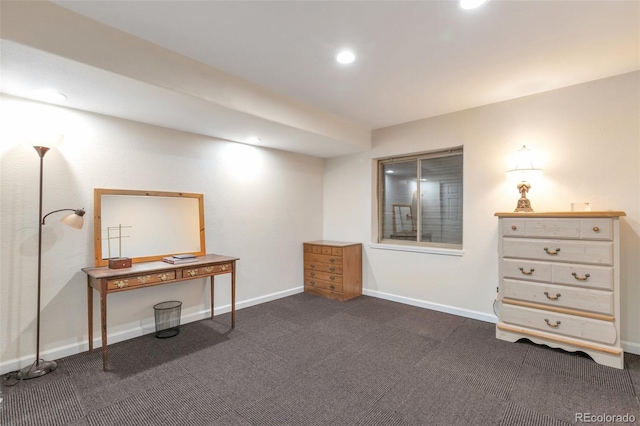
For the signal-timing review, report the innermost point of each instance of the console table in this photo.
(146, 274)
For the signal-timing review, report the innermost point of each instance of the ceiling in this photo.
(414, 59)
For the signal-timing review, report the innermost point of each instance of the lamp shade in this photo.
(524, 171)
(75, 219)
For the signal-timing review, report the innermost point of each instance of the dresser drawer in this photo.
(559, 296)
(598, 252)
(526, 269)
(553, 228)
(325, 267)
(588, 276)
(322, 258)
(206, 270)
(513, 227)
(118, 284)
(562, 324)
(327, 285)
(596, 229)
(326, 276)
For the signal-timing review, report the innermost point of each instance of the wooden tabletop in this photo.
(105, 272)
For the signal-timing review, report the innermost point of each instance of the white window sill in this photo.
(418, 249)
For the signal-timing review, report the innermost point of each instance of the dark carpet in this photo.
(305, 360)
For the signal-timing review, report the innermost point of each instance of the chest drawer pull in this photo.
(332, 278)
(332, 269)
(514, 227)
(312, 282)
(332, 287)
(527, 273)
(313, 274)
(312, 266)
(584, 278)
(556, 297)
(332, 260)
(557, 323)
(596, 229)
(551, 253)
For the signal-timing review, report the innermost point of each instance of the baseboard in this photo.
(433, 306)
(631, 347)
(76, 348)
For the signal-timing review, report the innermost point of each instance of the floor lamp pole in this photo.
(38, 368)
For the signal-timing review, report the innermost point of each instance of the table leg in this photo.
(103, 327)
(212, 277)
(233, 295)
(90, 312)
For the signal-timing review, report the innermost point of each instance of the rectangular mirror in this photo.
(146, 225)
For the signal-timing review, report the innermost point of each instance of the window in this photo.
(420, 199)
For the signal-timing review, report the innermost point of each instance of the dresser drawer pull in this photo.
(527, 273)
(312, 282)
(514, 227)
(332, 260)
(312, 266)
(552, 325)
(596, 229)
(332, 287)
(332, 269)
(556, 297)
(121, 283)
(192, 272)
(332, 278)
(551, 253)
(586, 277)
(313, 274)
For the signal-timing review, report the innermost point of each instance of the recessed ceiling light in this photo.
(49, 95)
(253, 139)
(346, 57)
(472, 4)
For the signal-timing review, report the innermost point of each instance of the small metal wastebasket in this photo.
(167, 319)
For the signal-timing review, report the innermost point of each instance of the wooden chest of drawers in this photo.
(560, 282)
(333, 269)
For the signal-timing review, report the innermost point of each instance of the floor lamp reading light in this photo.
(41, 367)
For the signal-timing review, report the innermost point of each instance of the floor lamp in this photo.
(41, 367)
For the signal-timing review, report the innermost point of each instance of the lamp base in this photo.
(36, 370)
(524, 205)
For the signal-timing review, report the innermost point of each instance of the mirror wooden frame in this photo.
(98, 193)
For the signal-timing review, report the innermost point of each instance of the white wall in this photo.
(260, 205)
(588, 140)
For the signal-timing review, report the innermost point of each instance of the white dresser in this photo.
(560, 281)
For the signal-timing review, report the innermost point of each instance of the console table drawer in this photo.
(120, 283)
(206, 270)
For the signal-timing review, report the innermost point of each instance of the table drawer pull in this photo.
(556, 297)
(224, 267)
(551, 253)
(121, 283)
(583, 278)
(144, 279)
(192, 272)
(164, 277)
(555, 325)
(208, 269)
(527, 273)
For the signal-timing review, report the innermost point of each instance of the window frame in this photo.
(416, 246)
